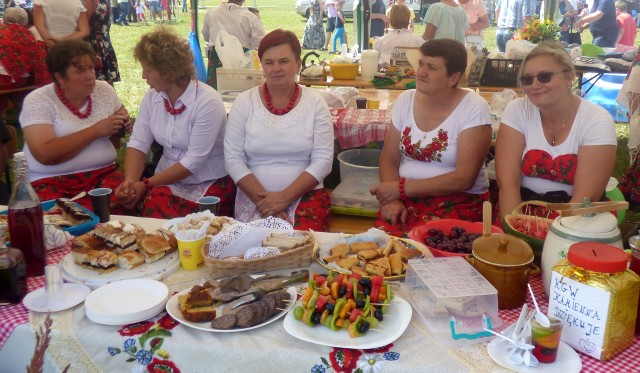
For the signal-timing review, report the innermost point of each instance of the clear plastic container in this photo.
(452, 298)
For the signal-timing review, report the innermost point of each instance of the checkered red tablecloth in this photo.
(14, 315)
(627, 361)
(357, 127)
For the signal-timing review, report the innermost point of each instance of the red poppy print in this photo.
(162, 366)
(344, 360)
(378, 350)
(167, 322)
(429, 153)
(136, 328)
(540, 164)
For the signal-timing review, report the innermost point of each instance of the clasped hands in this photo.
(130, 192)
(111, 125)
(391, 207)
(273, 204)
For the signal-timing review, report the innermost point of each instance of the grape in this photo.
(457, 241)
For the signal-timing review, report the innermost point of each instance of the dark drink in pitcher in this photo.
(26, 223)
(13, 277)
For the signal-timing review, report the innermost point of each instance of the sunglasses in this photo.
(544, 77)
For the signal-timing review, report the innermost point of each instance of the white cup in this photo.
(53, 280)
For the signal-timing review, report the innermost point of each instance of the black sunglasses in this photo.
(544, 77)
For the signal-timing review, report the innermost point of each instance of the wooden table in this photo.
(358, 82)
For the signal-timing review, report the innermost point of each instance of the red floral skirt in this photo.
(463, 206)
(313, 211)
(68, 186)
(161, 203)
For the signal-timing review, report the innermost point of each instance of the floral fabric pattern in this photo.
(99, 25)
(160, 203)
(143, 349)
(347, 360)
(462, 206)
(431, 152)
(540, 164)
(313, 211)
(18, 54)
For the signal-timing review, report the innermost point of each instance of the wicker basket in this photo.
(298, 257)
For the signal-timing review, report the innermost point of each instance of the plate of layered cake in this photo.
(116, 251)
(66, 215)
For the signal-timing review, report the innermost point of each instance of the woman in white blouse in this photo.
(58, 20)
(187, 119)
(279, 142)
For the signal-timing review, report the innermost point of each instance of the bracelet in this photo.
(147, 183)
(403, 195)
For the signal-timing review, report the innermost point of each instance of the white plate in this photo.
(400, 316)
(567, 360)
(157, 270)
(69, 296)
(173, 308)
(126, 302)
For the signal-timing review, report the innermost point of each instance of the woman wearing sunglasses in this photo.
(552, 144)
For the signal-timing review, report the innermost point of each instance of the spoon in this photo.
(78, 196)
(516, 357)
(540, 317)
(519, 344)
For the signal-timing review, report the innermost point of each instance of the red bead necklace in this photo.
(267, 100)
(173, 111)
(65, 102)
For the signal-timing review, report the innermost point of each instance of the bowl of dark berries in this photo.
(449, 237)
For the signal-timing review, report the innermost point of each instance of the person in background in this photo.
(478, 21)
(446, 20)
(154, 9)
(403, 3)
(100, 39)
(238, 21)
(332, 15)
(339, 30)
(115, 10)
(629, 98)
(279, 142)
(125, 8)
(432, 162)
(166, 5)
(511, 15)
(187, 118)
(313, 37)
(601, 23)
(398, 36)
(626, 25)
(584, 12)
(58, 20)
(71, 128)
(569, 16)
(378, 19)
(552, 145)
(185, 6)
(140, 12)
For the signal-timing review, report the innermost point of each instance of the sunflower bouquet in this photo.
(537, 30)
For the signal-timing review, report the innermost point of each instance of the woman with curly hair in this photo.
(187, 118)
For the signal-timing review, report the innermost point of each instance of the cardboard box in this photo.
(400, 62)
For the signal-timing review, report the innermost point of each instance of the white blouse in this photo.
(61, 16)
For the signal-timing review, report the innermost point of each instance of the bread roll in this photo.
(130, 259)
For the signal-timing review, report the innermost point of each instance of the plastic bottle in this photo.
(26, 224)
(13, 279)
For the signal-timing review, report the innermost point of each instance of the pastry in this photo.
(341, 249)
(130, 260)
(71, 211)
(357, 247)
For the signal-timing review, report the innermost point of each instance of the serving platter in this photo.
(157, 270)
(173, 308)
(75, 230)
(407, 242)
(125, 302)
(399, 312)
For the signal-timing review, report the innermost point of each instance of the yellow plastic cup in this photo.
(373, 104)
(191, 254)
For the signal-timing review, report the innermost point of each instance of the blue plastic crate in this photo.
(75, 230)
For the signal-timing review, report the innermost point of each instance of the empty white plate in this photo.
(126, 302)
(70, 295)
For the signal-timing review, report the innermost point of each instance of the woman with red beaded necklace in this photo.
(187, 119)
(279, 142)
(72, 127)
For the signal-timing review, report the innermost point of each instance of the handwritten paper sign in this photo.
(400, 61)
(583, 311)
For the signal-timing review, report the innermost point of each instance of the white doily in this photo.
(261, 252)
(190, 192)
(234, 239)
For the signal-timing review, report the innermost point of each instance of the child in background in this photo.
(140, 12)
(339, 31)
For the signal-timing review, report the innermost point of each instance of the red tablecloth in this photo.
(14, 315)
(357, 127)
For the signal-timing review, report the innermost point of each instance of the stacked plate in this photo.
(126, 302)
